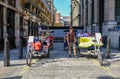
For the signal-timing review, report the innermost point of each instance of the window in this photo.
(12, 2)
(10, 23)
(117, 10)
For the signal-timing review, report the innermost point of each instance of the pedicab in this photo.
(35, 48)
(92, 44)
(49, 37)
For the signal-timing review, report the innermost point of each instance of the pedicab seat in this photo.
(85, 42)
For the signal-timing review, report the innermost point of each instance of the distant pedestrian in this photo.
(89, 34)
(71, 39)
(65, 42)
(80, 34)
(85, 34)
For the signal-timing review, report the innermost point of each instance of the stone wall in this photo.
(107, 26)
(114, 36)
(108, 30)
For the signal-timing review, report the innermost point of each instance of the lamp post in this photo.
(6, 42)
(21, 44)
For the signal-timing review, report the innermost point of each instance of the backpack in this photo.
(37, 46)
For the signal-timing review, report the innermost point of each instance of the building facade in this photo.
(19, 18)
(35, 13)
(10, 21)
(75, 13)
(103, 16)
(65, 20)
(53, 10)
(57, 20)
(61, 21)
(98, 16)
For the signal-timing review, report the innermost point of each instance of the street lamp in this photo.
(21, 44)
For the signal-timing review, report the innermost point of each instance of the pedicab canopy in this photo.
(86, 42)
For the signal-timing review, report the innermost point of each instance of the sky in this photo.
(63, 7)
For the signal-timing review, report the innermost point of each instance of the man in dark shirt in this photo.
(71, 39)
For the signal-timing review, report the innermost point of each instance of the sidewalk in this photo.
(16, 64)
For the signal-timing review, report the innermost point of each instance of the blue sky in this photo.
(63, 7)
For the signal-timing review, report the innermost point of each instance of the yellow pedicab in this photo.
(93, 44)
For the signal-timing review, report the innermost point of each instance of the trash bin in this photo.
(104, 39)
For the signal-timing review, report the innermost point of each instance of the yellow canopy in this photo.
(85, 42)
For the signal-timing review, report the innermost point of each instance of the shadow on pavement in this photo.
(43, 61)
(17, 77)
(107, 77)
(17, 64)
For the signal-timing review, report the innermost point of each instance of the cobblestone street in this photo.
(60, 66)
(29, 29)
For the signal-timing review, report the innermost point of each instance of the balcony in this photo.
(12, 3)
(1, 0)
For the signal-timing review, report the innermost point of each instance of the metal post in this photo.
(108, 53)
(119, 43)
(6, 42)
(6, 52)
(20, 49)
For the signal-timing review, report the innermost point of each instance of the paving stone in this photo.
(60, 66)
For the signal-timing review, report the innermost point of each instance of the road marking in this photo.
(26, 68)
(108, 70)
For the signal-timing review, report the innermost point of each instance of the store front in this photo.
(11, 26)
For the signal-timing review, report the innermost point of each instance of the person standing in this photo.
(80, 35)
(71, 39)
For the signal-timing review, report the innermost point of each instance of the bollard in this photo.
(108, 54)
(119, 43)
(6, 53)
(20, 49)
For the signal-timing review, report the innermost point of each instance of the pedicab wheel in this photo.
(80, 55)
(100, 58)
(28, 59)
(48, 53)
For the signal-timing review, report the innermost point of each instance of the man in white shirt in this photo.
(80, 34)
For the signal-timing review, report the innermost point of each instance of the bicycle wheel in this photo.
(100, 58)
(29, 59)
